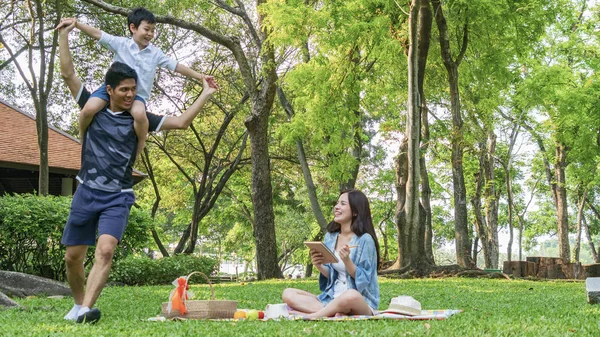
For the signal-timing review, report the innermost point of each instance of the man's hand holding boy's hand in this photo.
(211, 81)
(68, 23)
(209, 86)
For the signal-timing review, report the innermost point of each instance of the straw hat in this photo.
(404, 305)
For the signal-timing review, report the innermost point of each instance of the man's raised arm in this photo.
(185, 119)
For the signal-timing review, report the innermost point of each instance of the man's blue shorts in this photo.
(95, 210)
(103, 94)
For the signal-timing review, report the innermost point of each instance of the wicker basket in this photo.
(199, 309)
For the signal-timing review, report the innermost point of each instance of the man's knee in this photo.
(105, 252)
(75, 256)
(105, 248)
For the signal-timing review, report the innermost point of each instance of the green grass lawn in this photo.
(491, 308)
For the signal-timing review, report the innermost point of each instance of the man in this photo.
(105, 195)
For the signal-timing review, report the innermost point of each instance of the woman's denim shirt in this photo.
(365, 281)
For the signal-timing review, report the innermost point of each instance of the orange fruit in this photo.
(239, 314)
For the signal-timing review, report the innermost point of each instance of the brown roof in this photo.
(19, 148)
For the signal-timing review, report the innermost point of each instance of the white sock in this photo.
(82, 311)
(72, 315)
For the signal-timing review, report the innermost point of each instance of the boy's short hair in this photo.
(118, 72)
(138, 15)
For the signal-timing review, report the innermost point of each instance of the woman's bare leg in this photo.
(351, 302)
(301, 301)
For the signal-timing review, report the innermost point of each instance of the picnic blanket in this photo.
(425, 315)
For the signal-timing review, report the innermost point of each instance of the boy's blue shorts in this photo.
(103, 94)
(95, 210)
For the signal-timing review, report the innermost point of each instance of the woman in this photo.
(350, 286)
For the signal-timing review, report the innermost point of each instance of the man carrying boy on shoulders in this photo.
(104, 196)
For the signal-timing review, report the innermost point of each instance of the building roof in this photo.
(19, 147)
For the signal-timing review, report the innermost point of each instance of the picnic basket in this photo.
(203, 309)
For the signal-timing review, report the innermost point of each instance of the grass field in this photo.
(491, 308)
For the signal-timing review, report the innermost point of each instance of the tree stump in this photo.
(572, 271)
(591, 270)
(519, 268)
(554, 272)
(550, 267)
(536, 262)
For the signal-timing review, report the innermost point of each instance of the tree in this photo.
(562, 93)
(32, 27)
(413, 133)
(463, 246)
(260, 84)
(207, 169)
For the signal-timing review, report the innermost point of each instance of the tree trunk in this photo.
(509, 197)
(41, 123)
(580, 208)
(491, 201)
(262, 191)
(413, 133)
(475, 250)
(509, 192)
(589, 239)
(463, 243)
(562, 211)
(425, 24)
(401, 168)
(480, 221)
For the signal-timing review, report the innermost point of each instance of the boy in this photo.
(140, 55)
(104, 196)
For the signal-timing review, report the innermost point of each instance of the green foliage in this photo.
(342, 65)
(490, 308)
(30, 231)
(137, 234)
(140, 271)
(31, 228)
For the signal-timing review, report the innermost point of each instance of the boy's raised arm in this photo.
(188, 72)
(89, 30)
(191, 73)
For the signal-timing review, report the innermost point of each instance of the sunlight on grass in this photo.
(491, 308)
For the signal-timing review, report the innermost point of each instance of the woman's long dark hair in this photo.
(362, 222)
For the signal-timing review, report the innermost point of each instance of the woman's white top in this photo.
(340, 284)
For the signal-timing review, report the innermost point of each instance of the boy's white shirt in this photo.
(144, 61)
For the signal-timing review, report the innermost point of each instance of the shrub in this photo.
(31, 227)
(30, 232)
(145, 271)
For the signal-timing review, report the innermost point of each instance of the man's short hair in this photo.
(138, 15)
(118, 72)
